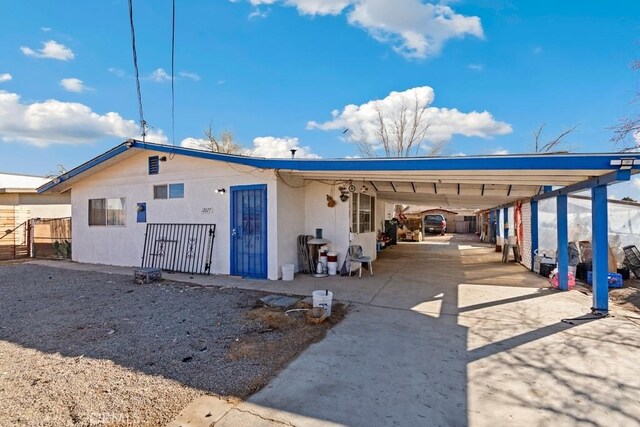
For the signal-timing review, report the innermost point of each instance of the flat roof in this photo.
(460, 181)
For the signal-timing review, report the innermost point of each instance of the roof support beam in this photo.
(374, 186)
(435, 188)
(610, 178)
(413, 185)
(509, 190)
(482, 191)
(458, 189)
(393, 186)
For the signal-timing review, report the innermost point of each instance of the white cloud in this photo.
(500, 152)
(362, 120)
(55, 122)
(189, 75)
(117, 71)
(5, 77)
(259, 13)
(73, 85)
(45, 29)
(476, 67)
(160, 75)
(273, 147)
(414, 28)
(221, 82)
(264, 146)
(50, 49)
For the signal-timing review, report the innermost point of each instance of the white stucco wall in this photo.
(123, 245)
(335, 221)
(291, 221)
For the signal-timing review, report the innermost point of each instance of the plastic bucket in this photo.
(287, 272)
(333, 268)
(323, 299)
(332, 256)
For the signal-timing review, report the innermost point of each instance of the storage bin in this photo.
(615, 279)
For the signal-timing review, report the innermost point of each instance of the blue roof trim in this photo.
(531, 162)
(84, 167)
(515, 162)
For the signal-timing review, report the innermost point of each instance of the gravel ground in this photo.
(84, 348)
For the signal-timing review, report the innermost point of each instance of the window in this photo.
(170, 191)
(362, 213)
(154, 165)
(160, 191)
(176, 191)
(106, 211)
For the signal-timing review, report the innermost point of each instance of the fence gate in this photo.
(51, 237)
(184, 248)
(14, 239)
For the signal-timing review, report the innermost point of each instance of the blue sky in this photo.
(267, 70)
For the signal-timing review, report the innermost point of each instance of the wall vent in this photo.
(154, 165)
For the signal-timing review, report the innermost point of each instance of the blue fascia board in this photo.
(84, 167)
(609, 178)
(531, 162)
(516, 162)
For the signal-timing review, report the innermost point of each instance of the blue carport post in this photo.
(497, 225)
(563, 242)
(534, 231)
(492, 226)
(506, 224)
(600, 238)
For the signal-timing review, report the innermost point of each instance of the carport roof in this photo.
(463, 181)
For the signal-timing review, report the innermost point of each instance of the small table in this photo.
(147, 275)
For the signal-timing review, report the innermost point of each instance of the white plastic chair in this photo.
(355, 255)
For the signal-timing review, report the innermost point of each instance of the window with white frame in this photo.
(107, 211)
(168, 191)
(362, 213)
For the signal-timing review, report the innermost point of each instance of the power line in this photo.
(143, 123)
(173, 55)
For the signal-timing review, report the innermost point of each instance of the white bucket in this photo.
(323, 299)
(333, 268)
(287, 272)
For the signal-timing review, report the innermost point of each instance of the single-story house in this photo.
(260, 206)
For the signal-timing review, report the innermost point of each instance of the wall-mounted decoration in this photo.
(330, 202)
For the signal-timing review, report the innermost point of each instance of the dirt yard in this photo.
(83, 348)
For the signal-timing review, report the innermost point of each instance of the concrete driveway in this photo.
(451, 337)
(444, 334)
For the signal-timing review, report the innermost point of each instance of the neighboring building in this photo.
(19, 203)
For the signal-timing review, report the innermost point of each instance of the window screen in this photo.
(107, 211)
(97, 212)
(176, 191)
(160, 191)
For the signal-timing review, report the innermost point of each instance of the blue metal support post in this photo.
(506, 224)
(600, 238)
(497, 225)
(563, 242)
(534, 231)
(492, 226)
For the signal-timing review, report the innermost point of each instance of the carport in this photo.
(495, 183)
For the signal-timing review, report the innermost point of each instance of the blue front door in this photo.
(249, 231)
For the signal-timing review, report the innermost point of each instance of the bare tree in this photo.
(400, 133)
(547, 147)
(628, 126)
(222, 143)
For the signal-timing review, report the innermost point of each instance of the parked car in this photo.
(435, 223)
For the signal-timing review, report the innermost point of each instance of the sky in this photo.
(312, 74)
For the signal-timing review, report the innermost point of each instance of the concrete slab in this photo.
(202, 412)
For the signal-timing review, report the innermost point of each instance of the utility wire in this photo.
(143, 123)
(173, 55)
